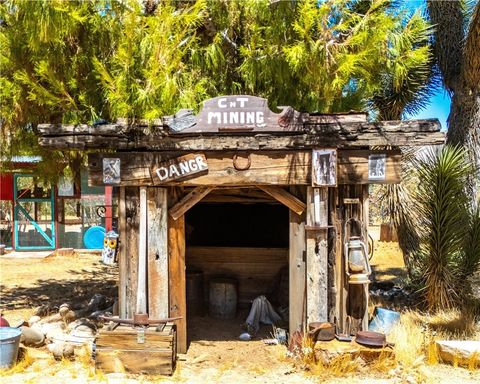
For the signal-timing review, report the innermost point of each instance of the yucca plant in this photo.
(447, 226)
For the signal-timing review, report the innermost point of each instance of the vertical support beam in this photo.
(132, 209)
(141, 306)
(335, 260)
(357, 296)
(317, 255)
(365, 219)
(297, 290)
(176, 273)
(122, 255)
(157, 258)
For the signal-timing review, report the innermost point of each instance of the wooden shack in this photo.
(238, 189)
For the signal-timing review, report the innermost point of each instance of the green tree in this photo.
(80, 61)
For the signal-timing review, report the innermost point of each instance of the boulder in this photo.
(462, 352)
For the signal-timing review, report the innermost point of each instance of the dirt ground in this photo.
(215, 354)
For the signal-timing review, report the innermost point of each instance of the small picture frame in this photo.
(111, 170)
(377, 166)
(324, 167)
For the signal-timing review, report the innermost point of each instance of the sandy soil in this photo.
(215, 354)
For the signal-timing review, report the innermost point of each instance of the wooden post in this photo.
(297, 291)
(176, 273)
(357, 297)
(317, 254)
(141, 306)
(365, 219)
(336, 259)
(132, 208)
(157, 253)
(122, 256)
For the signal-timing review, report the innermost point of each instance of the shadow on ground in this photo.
(80, 288)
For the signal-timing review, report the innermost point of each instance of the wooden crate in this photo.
(119, 351)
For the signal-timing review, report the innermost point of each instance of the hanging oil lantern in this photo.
(356, 259)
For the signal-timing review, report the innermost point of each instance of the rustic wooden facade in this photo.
(238, 151)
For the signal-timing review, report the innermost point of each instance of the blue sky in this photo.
(439, 108)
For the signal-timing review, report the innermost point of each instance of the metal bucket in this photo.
(383, 320)
(9, 342)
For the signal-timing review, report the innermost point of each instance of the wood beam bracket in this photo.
(284, 197)
(188, 201)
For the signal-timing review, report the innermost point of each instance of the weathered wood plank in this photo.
(83, 129)
(286, 198)
(317, 255)
(188, 201)
(157, 253)
(277, 168)
(238, 195)
(339, 135)
(122, 255)
(141, 306)
(132, 208)
(152, 362)
(266, 168)
(339, 273)
(255, 269)
(353, 167)
(297, 289)
(176, 274)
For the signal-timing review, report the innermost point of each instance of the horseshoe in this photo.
(237, 167)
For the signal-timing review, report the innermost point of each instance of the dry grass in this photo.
(26, 361)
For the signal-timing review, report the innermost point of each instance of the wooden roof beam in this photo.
(188, 201)
(284, 197)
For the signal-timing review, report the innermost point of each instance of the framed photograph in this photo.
(377, 165)
(111, 170)
(324, 167)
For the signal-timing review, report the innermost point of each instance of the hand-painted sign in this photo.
(179, 168)
(238, 113)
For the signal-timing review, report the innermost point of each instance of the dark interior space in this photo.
(244, 248)
(237, 225)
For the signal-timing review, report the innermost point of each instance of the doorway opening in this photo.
(239, 252)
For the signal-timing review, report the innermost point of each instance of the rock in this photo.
(33, 320)
(64, 308)
(62, 350)
(32, 337)
(53, 330)
(81, 322)
(463, 352)
(42, 310)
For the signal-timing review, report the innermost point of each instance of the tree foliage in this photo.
(80, 61)
(448, 226)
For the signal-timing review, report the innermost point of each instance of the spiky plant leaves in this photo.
(442, 207)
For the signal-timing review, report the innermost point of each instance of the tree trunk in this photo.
(464, 122)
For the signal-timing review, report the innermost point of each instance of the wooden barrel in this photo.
(222, 298)
(194, 288)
